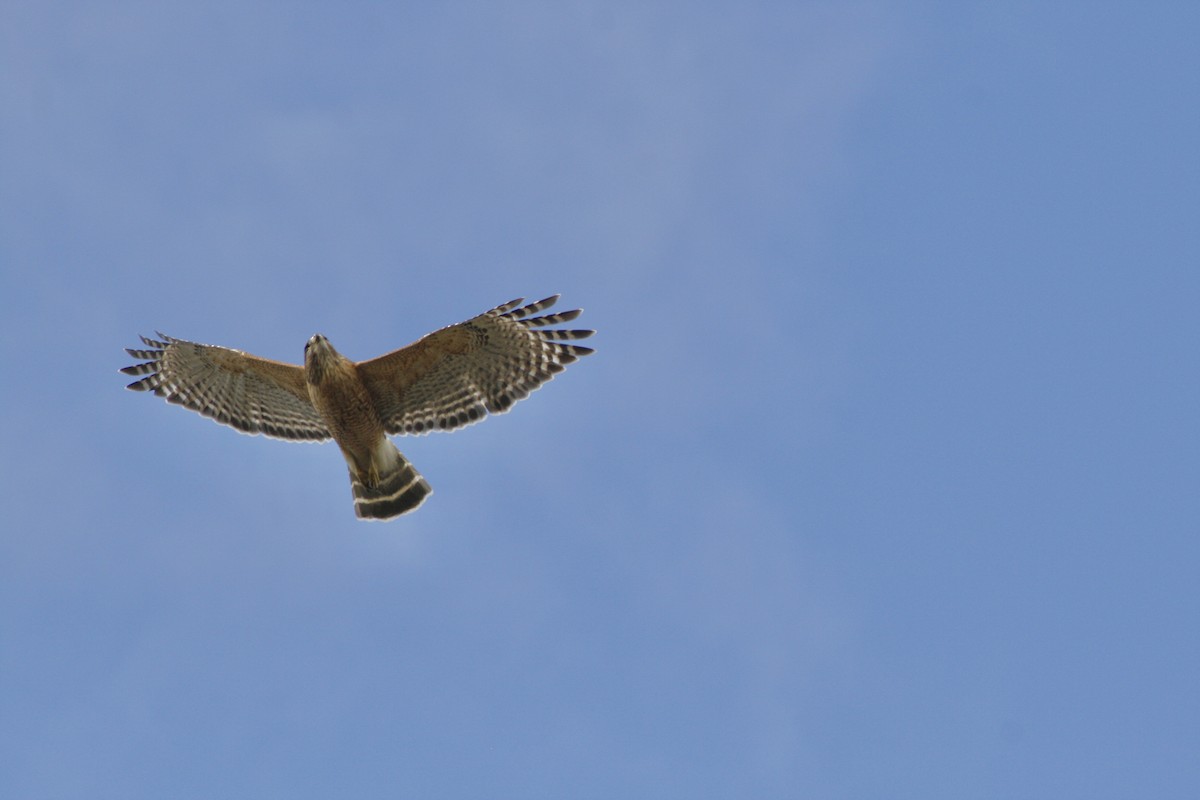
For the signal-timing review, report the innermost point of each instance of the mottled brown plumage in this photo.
(448, 379)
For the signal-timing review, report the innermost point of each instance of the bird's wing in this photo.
(456, 376)
(252, 394)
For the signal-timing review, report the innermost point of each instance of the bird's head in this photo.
(319, 355)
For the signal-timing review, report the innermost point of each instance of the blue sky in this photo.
(882, 482)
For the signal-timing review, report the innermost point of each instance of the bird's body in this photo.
(384, 483)
(339, 396)
(448, 379)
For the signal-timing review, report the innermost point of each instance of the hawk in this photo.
(446, 380)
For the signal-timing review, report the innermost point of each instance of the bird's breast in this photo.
(346, 408)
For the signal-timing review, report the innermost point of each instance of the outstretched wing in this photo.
(252, 394)
(457, 375)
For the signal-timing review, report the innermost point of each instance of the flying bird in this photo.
(451, 378)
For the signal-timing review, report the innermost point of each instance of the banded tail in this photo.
(398, 489)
